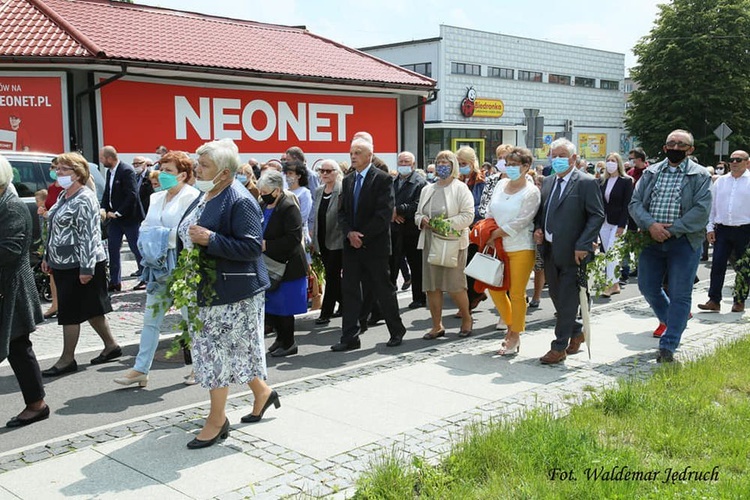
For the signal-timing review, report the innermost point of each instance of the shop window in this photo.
(609, 85)
(529, 76)
(585, 82)
(559, 79)
(421, 68)
(505, 73)
(466, 69)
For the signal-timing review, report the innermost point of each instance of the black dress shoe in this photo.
(665, 356)
(395, 341)
(114, 287)
(337, 314)
(374, 320)
(416, 304)
(346, 346)
(140, 286)
(322, 321)
(281, 352)
(42, 414)
(273, 399)
(276, 344)
(49, 314)
(103, 358)
(223, 434)
(72, 367)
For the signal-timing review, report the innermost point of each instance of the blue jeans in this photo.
(679, 260)
(153, 317)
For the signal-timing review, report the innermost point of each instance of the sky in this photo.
(614, 25)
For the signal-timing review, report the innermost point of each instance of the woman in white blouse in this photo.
(515, 201)
(166, 209)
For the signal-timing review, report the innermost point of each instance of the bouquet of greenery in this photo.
(629, 244)
(442, 226)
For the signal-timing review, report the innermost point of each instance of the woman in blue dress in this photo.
(282, 244)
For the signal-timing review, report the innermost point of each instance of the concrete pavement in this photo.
(330, 427)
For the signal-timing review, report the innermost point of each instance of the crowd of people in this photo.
(261, 224)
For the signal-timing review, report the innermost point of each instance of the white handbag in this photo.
(486, 268)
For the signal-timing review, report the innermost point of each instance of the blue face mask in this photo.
(513, 172)
(242, 179)
(464, 170)
(404, 170)
(430, 176)
(167, 181)
(443, 171)
(560, 165)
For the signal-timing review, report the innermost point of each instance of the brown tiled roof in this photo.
(110, 31)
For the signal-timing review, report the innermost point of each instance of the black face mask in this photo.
(676, 155)
(268, 199)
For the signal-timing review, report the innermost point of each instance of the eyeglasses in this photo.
(136, 163)
(61, 168)
(736, 160)
(325, 170)
(679, 144)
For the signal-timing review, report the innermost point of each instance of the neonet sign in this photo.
(472, 106)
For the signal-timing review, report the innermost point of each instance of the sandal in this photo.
(434, 335)
(465, 333)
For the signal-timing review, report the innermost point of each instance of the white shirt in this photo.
(514, 214)
(560, 191)
(163, 213)
(730, 204)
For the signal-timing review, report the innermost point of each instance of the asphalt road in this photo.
(89, 399)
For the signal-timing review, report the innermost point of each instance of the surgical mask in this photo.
(611, 167)
(464, 170)
(404, 169)
(430, 176)
(513, 172)
(500, 166)
(443, 171)
(720, 171)
(53, 175)
(167, 181)
(268, 199)
(676, 155)
(242, 179)
(138, 170)
(65, 181)
(560, 165)
(206, 186)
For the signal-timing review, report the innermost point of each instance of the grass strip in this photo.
(682, 433)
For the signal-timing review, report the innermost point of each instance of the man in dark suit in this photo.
(404, 233)
(120, 207)
(365, 214)
(567, 225)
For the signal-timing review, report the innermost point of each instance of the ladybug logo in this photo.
(467, 103)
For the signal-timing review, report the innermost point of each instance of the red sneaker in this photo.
(660, 330)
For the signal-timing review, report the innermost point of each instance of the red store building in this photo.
(79, 74)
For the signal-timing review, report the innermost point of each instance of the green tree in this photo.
(692, 73)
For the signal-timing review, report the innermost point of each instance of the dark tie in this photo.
(554, 201)
(357, 189)
(108, 188)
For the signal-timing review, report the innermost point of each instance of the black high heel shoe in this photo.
(273, 399)
(223, 434)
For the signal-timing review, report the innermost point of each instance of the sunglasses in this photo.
(736, 160)
(325, 170)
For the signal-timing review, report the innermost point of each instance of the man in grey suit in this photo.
(568, 223)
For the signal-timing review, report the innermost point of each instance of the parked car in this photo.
(30, 174)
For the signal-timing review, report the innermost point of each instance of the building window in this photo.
(529, 76)
(628, 87)
(421, 68)
(466, 69)
(500, 73)
(609, 85)
(585, 82)
(559, 79)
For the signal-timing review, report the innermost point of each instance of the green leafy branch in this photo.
(629, 244)
(442, 226)
(317, 267)
(742, 277)
(193, 265)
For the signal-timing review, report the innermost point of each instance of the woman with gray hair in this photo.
(282, 247)
(225, 224)
(19, 308)
(327, 237)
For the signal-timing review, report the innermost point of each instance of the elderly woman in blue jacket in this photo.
(227, 225)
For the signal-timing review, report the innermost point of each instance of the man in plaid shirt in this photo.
(672, 202)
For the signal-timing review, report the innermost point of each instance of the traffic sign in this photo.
(721, 148)
(723, 131)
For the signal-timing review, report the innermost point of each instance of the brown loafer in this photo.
(738, 307)
(575, 344)
(553, 357)
(710, 306)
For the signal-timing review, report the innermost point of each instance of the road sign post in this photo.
(721, 147)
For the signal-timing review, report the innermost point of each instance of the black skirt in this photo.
(78, 303)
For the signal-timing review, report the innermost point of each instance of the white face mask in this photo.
(611, 166)
(65, 181)
(206, 186)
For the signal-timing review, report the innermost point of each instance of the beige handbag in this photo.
(444, 250)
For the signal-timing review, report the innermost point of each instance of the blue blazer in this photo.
(236, 221)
